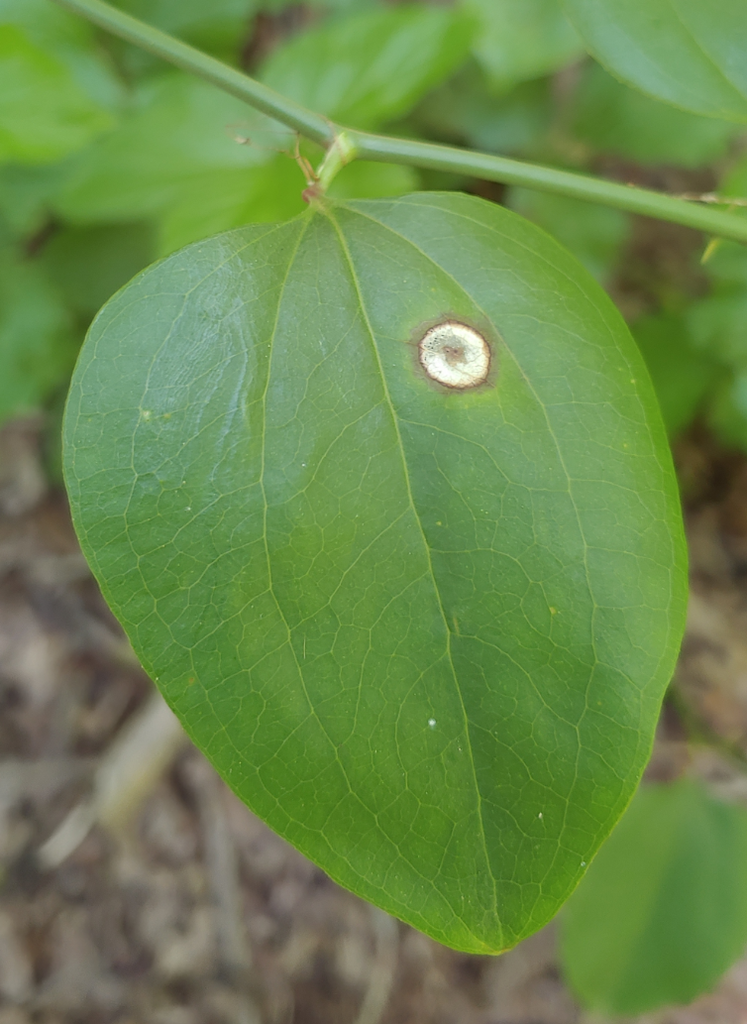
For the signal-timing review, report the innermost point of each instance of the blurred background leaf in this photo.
(685, 52)
(370, 67)
(662, 910)
(613, 118)
(595, 235)
(44, 112)
(682, 374)
(37, 348)
(522, 39)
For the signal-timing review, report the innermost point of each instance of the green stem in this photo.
(550, 179)
(403, 151)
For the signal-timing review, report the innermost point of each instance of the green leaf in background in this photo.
(727, 415)
(88, 265)
(727, 266)
(682, 375)
(423, 632)
(464, 109)
(37, 348)
(280, 6)
(594, 234)
(72, 42)
(735, 184)
(718, 322)
(216, 25)
(616, 119)
(522, 39)
(44, 113)
(717, 325)
(26, 194)
(179, 128)
(662, 911)
(371, 66)
(686, 52)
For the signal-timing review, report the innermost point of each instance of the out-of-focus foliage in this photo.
(368, 68)
(522, 39)
(682, 374)
(611, 117)
(35, 342)
(662, 911)
(685, 52)
(594, 234)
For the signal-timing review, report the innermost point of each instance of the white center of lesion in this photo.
(455, 355)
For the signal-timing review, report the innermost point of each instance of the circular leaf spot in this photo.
(455, 355)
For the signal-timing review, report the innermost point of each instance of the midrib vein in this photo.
(406, 473)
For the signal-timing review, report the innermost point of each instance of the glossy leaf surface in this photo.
(685, 52)
(663, 910)
(424, 633)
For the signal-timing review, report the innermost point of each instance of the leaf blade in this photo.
(303, 540)
(657, 48)
(673, 883)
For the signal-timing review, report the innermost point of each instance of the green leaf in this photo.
(464, 109)
(44, 114)
(179, 128)
(735, 183)
(26, 193)
(522, 39)
(685, 52)
(371, 66)
(612, 117)
(423, 632)
(662, 911)
(718, 325)
(718, 322)
(90, 264)
(728, 265)
(70, 40)
(594, 234)
(727, 415)
(37, 349)
(214, 26)
(682, 375)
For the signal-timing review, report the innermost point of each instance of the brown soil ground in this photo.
(194, 912)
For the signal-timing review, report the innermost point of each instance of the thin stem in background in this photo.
(403, 151)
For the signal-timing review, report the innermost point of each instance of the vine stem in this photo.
(389, 149)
